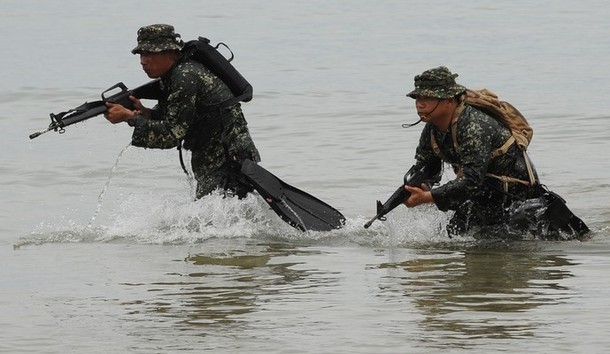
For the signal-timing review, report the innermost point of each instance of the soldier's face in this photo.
(427, 107)
(433, 110)
(157, 64)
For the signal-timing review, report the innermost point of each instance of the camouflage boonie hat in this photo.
(436, 83)
(157, 38)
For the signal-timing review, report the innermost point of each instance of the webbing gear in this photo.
(506, 180)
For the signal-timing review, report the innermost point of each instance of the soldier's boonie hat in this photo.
(157, 38)
(436, 83)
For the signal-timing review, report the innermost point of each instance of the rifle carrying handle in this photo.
(118, 85)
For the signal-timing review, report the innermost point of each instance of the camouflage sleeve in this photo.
(476, 140)
(165, 130)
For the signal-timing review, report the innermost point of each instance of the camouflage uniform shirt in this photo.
(473, 194)
(189, 110)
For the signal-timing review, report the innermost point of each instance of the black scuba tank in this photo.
(202, 51)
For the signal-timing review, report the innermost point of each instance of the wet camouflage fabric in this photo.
(190, 111)
(436, 83)
(475, 197)
(157, 38)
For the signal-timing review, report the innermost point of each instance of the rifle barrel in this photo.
(368, 224)
(37, 134)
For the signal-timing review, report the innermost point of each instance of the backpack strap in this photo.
(530, 169)
(504, 148)
(507, 179)
(528, 163)
(454, 119)
(435, 148)
(456, 115)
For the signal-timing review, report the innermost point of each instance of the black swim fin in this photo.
(299, 209)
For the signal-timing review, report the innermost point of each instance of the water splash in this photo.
(60, 231)
(174, 219)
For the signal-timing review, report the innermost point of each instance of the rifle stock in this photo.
(415, 178)
(59, 121)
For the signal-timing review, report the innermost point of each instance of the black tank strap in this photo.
(182, 160)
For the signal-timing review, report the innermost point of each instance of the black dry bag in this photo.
(202, 51)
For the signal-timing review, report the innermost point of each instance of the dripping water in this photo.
(100, 198)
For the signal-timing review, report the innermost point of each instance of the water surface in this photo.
(103, 249)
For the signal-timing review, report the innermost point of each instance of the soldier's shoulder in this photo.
(473, 115)
(189, 65)
(191, 71)
(473, 112)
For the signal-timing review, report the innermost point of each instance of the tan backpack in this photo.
(502, 111)
(505, 113)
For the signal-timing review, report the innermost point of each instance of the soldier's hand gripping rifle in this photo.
(59, 121)
(414, 177)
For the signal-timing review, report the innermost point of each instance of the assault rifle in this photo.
(59, 121)
(414, 177)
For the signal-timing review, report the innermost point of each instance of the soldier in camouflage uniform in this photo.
(189, 111)
(477, 198)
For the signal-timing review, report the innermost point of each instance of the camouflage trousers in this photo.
(213, 169)
(225, 178)
(488, 210)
